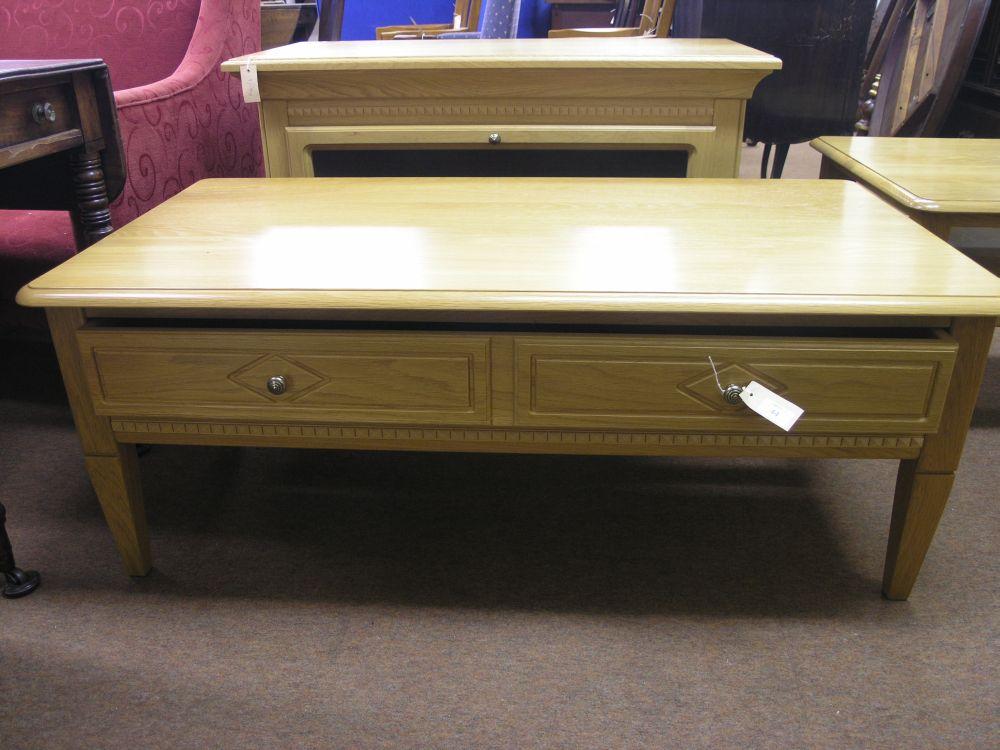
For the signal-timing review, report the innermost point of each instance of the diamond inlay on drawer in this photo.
(705, 390)
(300, 379)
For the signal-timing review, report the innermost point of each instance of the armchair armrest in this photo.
(192, 124)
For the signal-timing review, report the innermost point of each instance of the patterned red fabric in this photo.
(176, 130)
(141, 41)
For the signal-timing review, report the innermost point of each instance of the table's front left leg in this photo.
(112, 466)
(923, 484)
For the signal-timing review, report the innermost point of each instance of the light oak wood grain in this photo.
(566, 111)
(505, 84)
(533, 247)
(714, 256)
(584, 442)
(919, 504)
(116, 481)
(871, 387)
(509, 53)
(113, 469)
(974, 336)
(474, 88)
(935, 175)
(93, 430)
(273, 123)
(338, 377)
(924, 484)
(875, 386)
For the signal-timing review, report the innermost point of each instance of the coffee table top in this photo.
(395, 54)
(533, 245)
(939, 175)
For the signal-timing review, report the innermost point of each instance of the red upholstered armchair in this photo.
(181, 118)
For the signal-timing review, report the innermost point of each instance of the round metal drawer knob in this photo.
(495, 138)
(42, 112)
(277, 385)
(732, 394)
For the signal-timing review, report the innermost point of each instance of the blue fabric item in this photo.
(498, 20)
(362, 16)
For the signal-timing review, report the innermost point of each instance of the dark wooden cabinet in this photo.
(976, 112)
(821, 43)
(581, 14)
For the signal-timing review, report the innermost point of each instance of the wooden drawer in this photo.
(17, 124)
(877, 386)
(418, 378)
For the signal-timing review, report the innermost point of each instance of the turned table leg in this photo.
(923, 484)
(91, 217)
(113, 467)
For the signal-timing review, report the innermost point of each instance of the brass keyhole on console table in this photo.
(277, 385)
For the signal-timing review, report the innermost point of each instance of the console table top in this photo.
(534, 246)
(626, 52)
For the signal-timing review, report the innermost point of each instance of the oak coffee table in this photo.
(527, 315)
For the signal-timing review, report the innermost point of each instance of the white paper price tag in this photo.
(248, 77)
(770, 405)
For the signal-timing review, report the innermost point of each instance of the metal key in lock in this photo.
(731, 393)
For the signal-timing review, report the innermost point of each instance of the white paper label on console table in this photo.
(248, 77)
(770, 405)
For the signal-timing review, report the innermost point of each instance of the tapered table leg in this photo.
(113, 467)
(923, 484)
(116, 482)
(916, 510)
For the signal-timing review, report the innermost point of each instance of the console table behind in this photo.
(558, 95)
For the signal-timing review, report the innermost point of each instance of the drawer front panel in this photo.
(883, 386)
(17, 124)
(327, 376)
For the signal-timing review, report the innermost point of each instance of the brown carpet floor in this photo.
(308, 599)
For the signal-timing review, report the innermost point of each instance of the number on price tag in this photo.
(771, 406)
(248, 77)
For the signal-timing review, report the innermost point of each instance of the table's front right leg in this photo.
(113, 467)
(924, 483)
